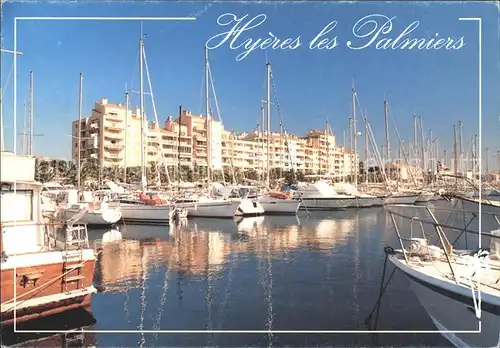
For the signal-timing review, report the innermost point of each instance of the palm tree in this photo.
(44, 171)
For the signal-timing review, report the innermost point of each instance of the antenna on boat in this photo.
(78, 168)
(15, 52)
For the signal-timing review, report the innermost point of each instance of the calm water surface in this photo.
(316, 272)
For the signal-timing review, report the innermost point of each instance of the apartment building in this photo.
(111, 136)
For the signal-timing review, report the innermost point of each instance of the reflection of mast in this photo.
(208, 276)
(125, 306)
(163, 297)
(143, 295)
(356, 267)
(179, 265)
(269, 295)
(230, 272)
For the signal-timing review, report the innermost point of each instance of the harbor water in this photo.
(311, 272)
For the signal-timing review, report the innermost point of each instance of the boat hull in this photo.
(454, 311)
(400, 199)
(210, 209)
(102, 217)
(365, 202)
(279, 206)
(141, 213)
(249, 207)
(46, 283)
(326, 203)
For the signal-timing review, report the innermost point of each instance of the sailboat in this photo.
(139, 210)
(394, 195)
(272, 202)
(84, 204)
(209, 205)
(363, 200)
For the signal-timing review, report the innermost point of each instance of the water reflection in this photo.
(203, 247)
(74, 320)
(319, 272)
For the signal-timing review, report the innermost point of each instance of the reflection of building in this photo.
(264, 239)
(199, 251)
(127, 260)
(331, 232)
(123, 264)
(111, 136)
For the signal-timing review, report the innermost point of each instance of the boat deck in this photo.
(486, 276)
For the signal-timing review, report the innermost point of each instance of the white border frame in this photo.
(477, 19)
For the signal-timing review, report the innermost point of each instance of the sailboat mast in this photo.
(24, 138)
(487, 163)
(327, 132)
(349, 134)
(179, 151)
(79, 138)
(261, 136)
(476, 159)
(415, 139)
(460, 145)
(366, 151)
(422, 142)
(355, 134)
(281, 150)
(209, 123)
(430, 151)
(436, 151)
(30, 120)
(268, 115)
(126, 137)
(141, 107)
(455, 153)
(387, 141)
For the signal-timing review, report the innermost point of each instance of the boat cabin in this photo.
(21, 216)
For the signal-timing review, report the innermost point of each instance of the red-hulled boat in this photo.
(46, 268)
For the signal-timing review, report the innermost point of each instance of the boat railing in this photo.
(445, 245)
(61, 235)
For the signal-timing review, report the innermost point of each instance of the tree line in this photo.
(66, 172)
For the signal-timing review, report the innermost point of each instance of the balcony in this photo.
(113, 126)
(114, 136)
(91, 145)
(113, 117)
(200, 137)
(112, 147)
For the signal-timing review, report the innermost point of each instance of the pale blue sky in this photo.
(312, 85)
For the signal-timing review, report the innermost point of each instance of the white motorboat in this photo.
(399, 198)
(321, 196)
(362, 200)
(447, 283)
(208, 207)
(278, 204)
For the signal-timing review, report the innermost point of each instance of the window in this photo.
(17, 206)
